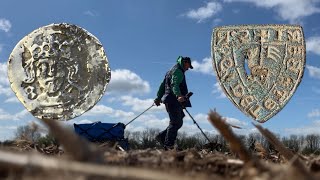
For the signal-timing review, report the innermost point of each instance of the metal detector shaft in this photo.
(195, 122)
(140, 114)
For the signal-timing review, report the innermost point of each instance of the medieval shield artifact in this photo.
(58, 71)
(259, 67)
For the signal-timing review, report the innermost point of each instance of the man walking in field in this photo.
(172, 92)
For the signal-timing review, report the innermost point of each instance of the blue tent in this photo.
(102, 132)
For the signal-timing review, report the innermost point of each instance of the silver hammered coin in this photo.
(259, 67)
(58, 71)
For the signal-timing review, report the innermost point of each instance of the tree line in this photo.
(305, 144)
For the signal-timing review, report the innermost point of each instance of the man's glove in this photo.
(184, 100)
(157, 101)
(181, 99)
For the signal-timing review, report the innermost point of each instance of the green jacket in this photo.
(177, 77)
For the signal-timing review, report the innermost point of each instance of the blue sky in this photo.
(142, 40)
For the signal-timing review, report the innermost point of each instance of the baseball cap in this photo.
(187, 59)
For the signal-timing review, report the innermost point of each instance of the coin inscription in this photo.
(259, 67)
(59, 71)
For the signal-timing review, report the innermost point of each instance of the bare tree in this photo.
(186, 141)
(148, 138)
(312, 145)
(291, 142)
(30, 132)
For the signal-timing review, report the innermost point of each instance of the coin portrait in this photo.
(59, 71)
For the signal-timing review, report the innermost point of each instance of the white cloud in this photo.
(18, 116)
(5, 25)
(200, 118)
(126, 82)
(133, 128)
(289, 10)
(104, 110)
(152, 121)
(22, 114)
(236, 122)
(218, 90)
(191, 129)
(5, 90)
(6, 132)
(4, 115)
(305, 130)
(205, 66)
(314, 113)
(3, 74)
(313, 44)
(148, 121)
(144, 118)
(314, 72)
(8, 127)
(203, 118)
(136, 103)
(217, 21)
(12, 99)
(91, 13)
(205, 12)
(139, 105)
(85, 121)
(204, 123)
(4, 82)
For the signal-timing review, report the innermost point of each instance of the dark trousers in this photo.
(169, 135)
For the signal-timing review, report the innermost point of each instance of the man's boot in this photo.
(160, 139)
